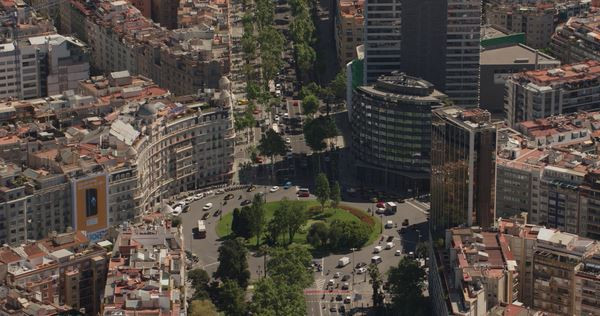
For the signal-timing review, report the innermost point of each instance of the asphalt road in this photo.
(207, 248)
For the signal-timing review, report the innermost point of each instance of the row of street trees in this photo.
(302, 32)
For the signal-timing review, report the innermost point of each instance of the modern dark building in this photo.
(434, 40)
(463, 168)
(391, 131)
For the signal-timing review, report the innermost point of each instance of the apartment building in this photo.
(348, 29)
(586, 279)
(146, 273)
(463, 168)
(536, 21)
(478, 271)
(112, 133)
(578, 39)
(183, 60)
(163, 12)
(15, 301)
(63, 269)
(538, 94)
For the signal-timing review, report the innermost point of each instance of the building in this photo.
(120, 38)
(391, 122)
(463, 168)
(478, 270)
(348, 29)
(463, 34)
(42, 65)
(500, 58)
(163, 12)
(538, 94)
(586, 279)
(535, 21)
(382, 38)
(64, 269)
(433, 40)
(578, 39)
(146, 273)
(14, 301)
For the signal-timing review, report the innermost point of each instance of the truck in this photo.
(390, 208)
(377, 249)
(344, 261)
(201, 229)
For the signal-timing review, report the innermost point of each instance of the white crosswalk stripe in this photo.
(319, 283)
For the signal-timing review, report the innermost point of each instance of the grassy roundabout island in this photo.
(314, 214)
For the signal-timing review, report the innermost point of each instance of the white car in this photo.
(189, 200)
(220, 191)
(274, 189)
(398, 253)
(361, 270)
(199, 195)
(207, 206)
(288, 140)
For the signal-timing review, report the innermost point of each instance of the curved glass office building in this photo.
(391, 131)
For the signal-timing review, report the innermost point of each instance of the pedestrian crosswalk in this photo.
(319, 283)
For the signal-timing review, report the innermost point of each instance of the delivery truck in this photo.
(344, 261)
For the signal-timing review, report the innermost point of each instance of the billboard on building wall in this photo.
(90, 205)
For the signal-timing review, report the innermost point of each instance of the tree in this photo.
(175, 221)
(310, 105)
(274, 297)
(202, 308)
(296, 218)
(308, 89)
(305, 57)
(376, 282)
(257, 217)
(200, 281)
(231, 299)
(316, 131)
(271, 145)
(235, 222)
(338, 85)
(348, 234)
(421, 250)
(322, 189)
(406, 283)
(233, 264)
(291, 265)
(335, 194)
(318, 233)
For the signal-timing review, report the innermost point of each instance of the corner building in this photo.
(463, 168)
(391, 130)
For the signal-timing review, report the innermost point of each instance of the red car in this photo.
(303, 192)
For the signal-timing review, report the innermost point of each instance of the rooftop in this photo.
(574, 73)
(514, 55)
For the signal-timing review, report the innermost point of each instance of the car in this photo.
(251, 188)
(274, 189)
(390, 239)
(337, 275)
(346, 286)
(331, 282)
(405, 222)
(207, 206)
(398, 253)
(245, 202)
(342, 309)
(205, 216)
(347, 300)
(361, 270)
(199, 195)
(346, 277)
(360, 265)
(288, 140)
(287, 185)
(217, 213)
(220, 191)
(339, 297)
(228, 196)
(333, 309)
(380, 205)
(303, 192)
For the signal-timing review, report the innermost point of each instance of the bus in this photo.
(201, 229)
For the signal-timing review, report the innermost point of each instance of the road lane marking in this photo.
(210, 264)
(418, 207)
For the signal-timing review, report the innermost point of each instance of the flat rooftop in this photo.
(514, 55)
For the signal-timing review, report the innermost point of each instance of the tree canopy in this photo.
(345, 235)
(406, 283)
(335, 194)
(317, 130)
(202, 308)
(233, 264)
(310, 105)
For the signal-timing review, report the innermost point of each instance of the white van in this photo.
(389, 245)
(376, 260)
(377, 249)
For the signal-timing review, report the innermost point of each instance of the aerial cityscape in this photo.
(296, 157)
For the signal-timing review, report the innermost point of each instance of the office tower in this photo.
(434, 40)
(382, 38)
(391, 123)
(462, 52)
(463, 168)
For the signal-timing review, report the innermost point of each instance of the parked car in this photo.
(274, 189)
(228, 196)
(205, 216)
(361, 270)
(246, 202)
(251, 188)
(207, 206)
(346, 277)
(346, 286)
(217, 213)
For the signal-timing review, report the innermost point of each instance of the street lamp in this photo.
(353, 262)
(381, 219)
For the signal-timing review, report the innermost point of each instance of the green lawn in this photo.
(329, 215)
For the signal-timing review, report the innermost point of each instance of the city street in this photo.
(207, 248)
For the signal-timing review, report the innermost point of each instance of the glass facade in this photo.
(463, 168)
(391, 123)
